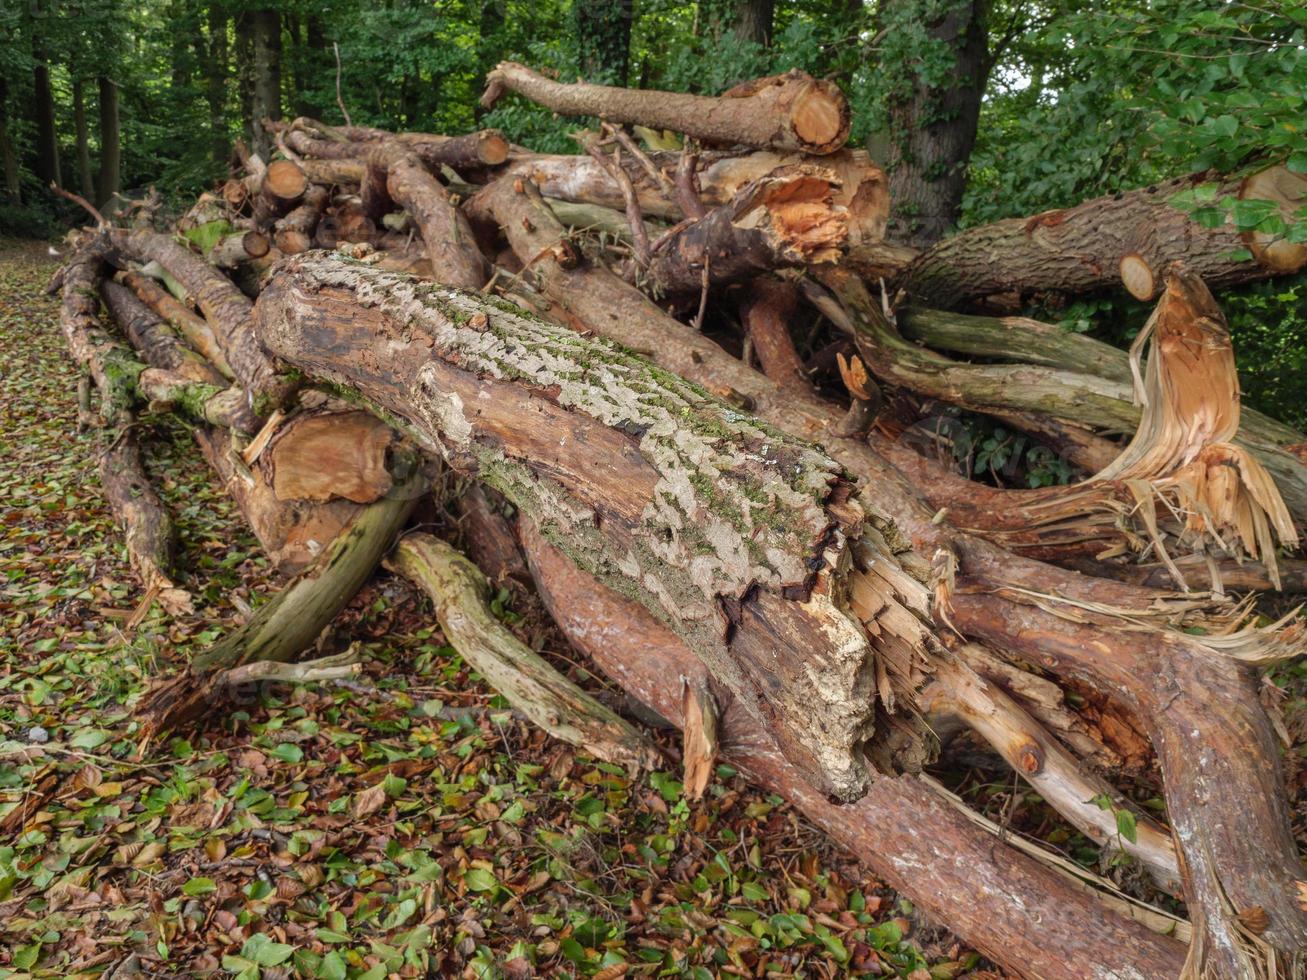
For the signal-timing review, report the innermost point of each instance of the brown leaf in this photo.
(369, 801)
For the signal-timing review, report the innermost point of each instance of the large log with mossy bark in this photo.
(736, 535)
(1125, 239)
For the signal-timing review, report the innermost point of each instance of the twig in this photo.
(632, 147)
(78, 199)
(340, 101)
(639, 235)
(703, 292)
(687, 186)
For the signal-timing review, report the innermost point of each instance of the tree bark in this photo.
(932, 123)
(47, 138)
(83, 141)
(753, 20)
(1082, 248)
(110, 151)
(13, 191)
(786, 112)
(265, 26)
(215, 83)
(603, 35)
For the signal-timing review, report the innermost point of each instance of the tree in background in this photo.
(603, 33)
(933, 66)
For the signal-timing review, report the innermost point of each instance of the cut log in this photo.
(294, 233)
(486, 148)
(291, 533)
(195, 329)
(784, 220)
(319, 456)
(459, 593)
(785, 112)
(1093, 245)
(287, 624)
(860, 188)
(280, 188)
(448, 237)
(737, 536)
(1018, 911)
(225, 308)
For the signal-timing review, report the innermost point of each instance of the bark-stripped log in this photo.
(793, 111)
(766, 313)
(958, 693)
(459, 593)
(1082, 248)
(1015, 910)
(784, 220)
(736, 535)
(860, 189)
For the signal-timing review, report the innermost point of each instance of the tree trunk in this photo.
(47, 138)
(13, 192)
(1126, 239)
(215, 84)
(603, 36)
(266, 67)
(933, 124)
(83, 142)
(753, 20)
(110, 150)
(786, 112)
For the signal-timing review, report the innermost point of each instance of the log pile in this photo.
(759, 554)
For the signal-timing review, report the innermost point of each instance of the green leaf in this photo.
(331, 936)
(754, 892)
(1125, 826)
(1298, 162)
(199, 886)
(26, 956)
(1225, 126)
(333, 967)
(394, 785)
(89, 738)
(480, 880)
(289, 752)
(207, 235)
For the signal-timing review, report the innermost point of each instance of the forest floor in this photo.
(404, 824)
